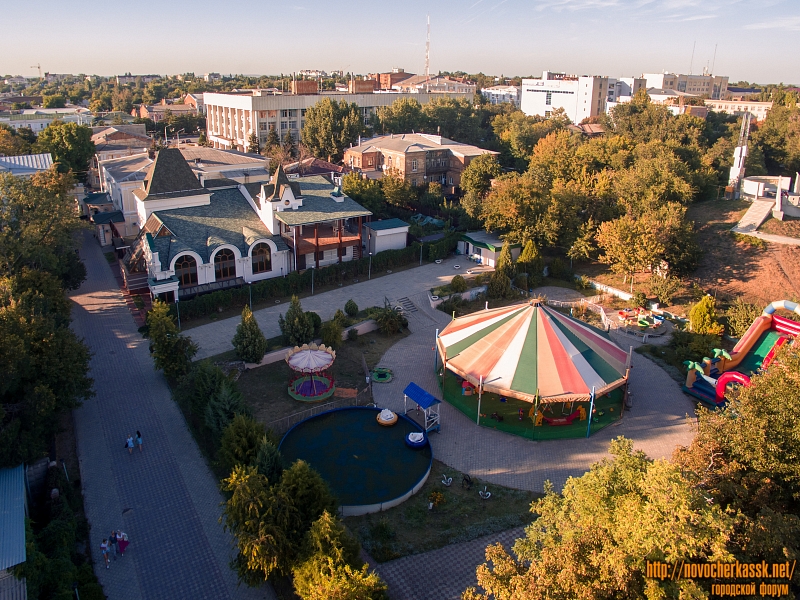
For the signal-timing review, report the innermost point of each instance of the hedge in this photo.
(297, 282)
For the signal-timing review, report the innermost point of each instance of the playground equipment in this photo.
(381, 375)
(386, 418)
(311, 362)
(709, 379)
(428, 404)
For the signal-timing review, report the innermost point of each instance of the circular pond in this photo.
(368, 467)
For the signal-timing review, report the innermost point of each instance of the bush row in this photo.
(297, 282)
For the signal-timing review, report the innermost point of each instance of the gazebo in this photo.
(527, 360)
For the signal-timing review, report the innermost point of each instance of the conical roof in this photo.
(528, 349)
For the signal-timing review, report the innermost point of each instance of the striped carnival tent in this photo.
(528, 349)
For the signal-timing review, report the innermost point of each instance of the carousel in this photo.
(312, 380)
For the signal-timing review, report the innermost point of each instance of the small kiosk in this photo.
(425, 402)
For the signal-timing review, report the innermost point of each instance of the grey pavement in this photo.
(215, 338)
(165, 498)
(444, 573)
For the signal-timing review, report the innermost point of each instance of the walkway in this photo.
(215, 338)
(165, 498)
(657, 422)
(755, 216)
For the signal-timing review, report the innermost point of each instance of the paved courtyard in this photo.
(164, 498)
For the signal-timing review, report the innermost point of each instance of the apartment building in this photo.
(623, 88)
(713, 86)
(498, 94)
(232, 117)
(580, 96)
(758, 110)
(417, 157)
(128, 79)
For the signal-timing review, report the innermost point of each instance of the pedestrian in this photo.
(122, 541)
(139, 439)
(129, 444)
(104, 550)
(112, 545)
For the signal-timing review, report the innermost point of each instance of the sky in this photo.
(753, 40)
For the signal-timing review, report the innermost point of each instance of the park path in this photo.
(165, 498)
(215, 338)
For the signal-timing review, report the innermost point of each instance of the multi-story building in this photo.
(435, 84)
(156, 112)
(128, 79)
(419, 158)
(387, 81)
(758, 110)
(498, 94)
(37, 119)
(714, 87)
(232, 117)
(581, 97)
(211, 77)
(116, 142)
(195, 100)
(623, 88)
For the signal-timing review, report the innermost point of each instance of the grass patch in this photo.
(264, 388)
(110, 257)
(790, 226)
(749, 240)
(412, 528)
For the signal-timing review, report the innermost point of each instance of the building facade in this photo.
(37, 119)
(581, 97)
(758, 110)
(231, 118)
(499, 94)
(419, 158)
(714, 87)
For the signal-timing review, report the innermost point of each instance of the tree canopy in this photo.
(331, 127)
(70, 145)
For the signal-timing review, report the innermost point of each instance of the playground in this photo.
(709, 380)
(528, 370)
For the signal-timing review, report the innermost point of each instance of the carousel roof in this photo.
(528, 349)
(310, 358)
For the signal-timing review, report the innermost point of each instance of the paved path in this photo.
(755, 216)
(165, 498)
(657, 422)
(444, 573)
(215, 338)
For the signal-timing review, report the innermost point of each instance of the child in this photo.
(129, 444)
(139, 439)
(104, 550)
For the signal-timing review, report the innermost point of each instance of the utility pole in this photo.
(428, 57)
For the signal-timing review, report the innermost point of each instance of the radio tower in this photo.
(428, 57)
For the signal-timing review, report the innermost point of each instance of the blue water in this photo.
(363, 462)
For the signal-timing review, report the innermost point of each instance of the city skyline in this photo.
(498, 37)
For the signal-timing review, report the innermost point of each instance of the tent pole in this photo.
(436, 352)
(535, 413)
(480, 392)
(591, 410)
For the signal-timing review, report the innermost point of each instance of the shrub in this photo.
(389, 320)
(269, 461)
(458, 284)
(450, 305)
(583, 283)
(521, 281)
(352, 334)
(202, 383)
(249, 342)
(340, 318)
(296, 328)
(741, 315)
(315, 320)
(436, 498)
(639, 300)
(499, 286)
(223, 407)
(664, 288)
(479, 279)
(560, 269)
(240, 442)
(351, 308)
(331, 333)
(703, 317)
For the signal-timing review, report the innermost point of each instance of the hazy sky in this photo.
(756, 39)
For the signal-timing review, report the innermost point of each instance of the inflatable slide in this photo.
(756, 349)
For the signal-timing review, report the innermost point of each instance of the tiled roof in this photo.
(318, 206)
(386, 224)
(227, 219)
(12, 517)
(170, 176)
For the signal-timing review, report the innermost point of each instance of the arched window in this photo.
(186, 270)
(224, 265)
(262, 258)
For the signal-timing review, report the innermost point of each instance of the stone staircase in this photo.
(755, 216)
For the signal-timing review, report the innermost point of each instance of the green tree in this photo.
(240, 442)
(331, 127)
(628, 245)
(269, 461)
(249, 342)
(253, 145)
(309, 493)
(530, 261)
(478, 175)
(12, 144)
(351, 308)
(273, 141)
(594, 539)
(367, 192)
(664, 288)
(505, 264)
(404, 115)
(70, 145)
(223, 407)
(741, 315)
(458, 284)
(202, 140)
(296, 327)
(703, 317)
(397, 191)
(204, 381)
(389, 320)
(331, 334)
(499, 286)
(171, 351)
(289, 146)
(54, 101)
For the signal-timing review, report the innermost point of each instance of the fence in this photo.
(284, 424)
(588, 304)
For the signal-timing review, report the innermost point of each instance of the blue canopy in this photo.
(420, 396)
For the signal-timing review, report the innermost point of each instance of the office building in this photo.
(581, 97)
(714, 87)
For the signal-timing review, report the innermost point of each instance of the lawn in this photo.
(790, 226)
(264, 388)
(412, 528)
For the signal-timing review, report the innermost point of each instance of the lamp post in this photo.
(178, 309)
(369, 271)
(250, 293)
(480, 393)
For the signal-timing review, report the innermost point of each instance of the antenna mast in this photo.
(691, 63)
(714, 60)
(428, 57)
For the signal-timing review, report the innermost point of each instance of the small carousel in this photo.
(312, 380)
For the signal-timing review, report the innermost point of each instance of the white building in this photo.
(498, 94)
(713, 86)
(623, 89)
(18, 80)
(25, 165)
(211, 77)
(37, 119)
(580, 97)
(758, 110)
(388, 234)
(231, 118)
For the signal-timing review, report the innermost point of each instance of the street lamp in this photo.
(250, 291)
(369, 271)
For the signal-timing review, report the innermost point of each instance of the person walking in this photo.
(129, 444)
(112, 545)
(122, 541)
(139, 439)
(104, 550)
